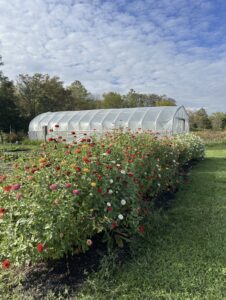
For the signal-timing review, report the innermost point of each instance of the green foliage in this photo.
(112, 100)
(79, 98)
(218, 121)
(9, 112)
(199, 120)
(40, 93)
(134, 99)
(64, 195)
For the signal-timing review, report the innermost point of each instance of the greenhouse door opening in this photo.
(181, 125)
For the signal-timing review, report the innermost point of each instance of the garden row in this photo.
(59, 198)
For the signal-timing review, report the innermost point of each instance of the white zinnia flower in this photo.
(111, 180)
(123, 172)
(108, 204)
(110, 192)
(123, 202)
(120, 217)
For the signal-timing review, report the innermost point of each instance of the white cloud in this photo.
(163, 47)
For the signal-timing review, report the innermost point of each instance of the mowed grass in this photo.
(183, 254)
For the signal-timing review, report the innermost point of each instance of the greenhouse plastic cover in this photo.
(166, 119)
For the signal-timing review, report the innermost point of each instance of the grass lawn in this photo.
(183, 255)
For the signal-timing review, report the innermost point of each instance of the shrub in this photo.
(63, 195)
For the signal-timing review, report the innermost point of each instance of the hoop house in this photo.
(164, 119)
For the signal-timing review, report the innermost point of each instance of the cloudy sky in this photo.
(172, 47)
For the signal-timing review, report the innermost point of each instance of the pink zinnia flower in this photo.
(53, 186)
(15, 187)
(89, 242)
(76, 192)
(68, 185)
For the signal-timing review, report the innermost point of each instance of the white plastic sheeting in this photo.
(164, 119)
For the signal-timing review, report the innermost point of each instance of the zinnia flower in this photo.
(2, 212)
(123, 202)
(68, 185)
(40, 247)
(53, 186)
(120, 216)
(76, 192)
(6, 264)
(7, 188)
(93, 184)
(114, 225)
(89, 242)
(2, 178)
(141, 228)
(15, 187)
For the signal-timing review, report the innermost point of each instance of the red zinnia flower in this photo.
(141, 228)
(40, 247)
(78, 169)
(6, 264)
(109, 209)
(2, 178)
(7, 188)
(99, 190)
(114, 225)
(86, 160)
(108, 151)
(2, 212)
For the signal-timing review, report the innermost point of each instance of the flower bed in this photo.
(57, 200)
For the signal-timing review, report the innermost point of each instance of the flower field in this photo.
(59, 198)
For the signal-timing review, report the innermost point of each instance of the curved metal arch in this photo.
(142, 121)
(97, 111)
(107, 114)
(156, 119)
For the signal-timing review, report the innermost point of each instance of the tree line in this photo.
(200, 120)
(30, 95)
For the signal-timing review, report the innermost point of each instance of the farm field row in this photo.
(183, 254)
